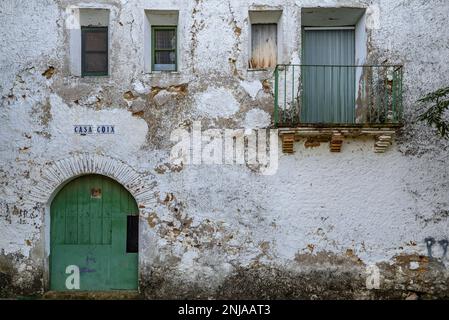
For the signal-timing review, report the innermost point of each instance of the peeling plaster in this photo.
(206, 103)
(257, 118)
(252, 88)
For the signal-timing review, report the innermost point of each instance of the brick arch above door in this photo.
(55, 174)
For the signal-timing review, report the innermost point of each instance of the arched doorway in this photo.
(94, 232)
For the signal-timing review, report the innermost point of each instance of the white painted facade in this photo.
(201, 224)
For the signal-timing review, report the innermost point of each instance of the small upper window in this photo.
(164, 48)
(263, 46)
(94, 51)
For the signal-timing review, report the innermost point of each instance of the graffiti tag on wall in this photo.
(430, 242)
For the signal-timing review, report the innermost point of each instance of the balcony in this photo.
(337, 101)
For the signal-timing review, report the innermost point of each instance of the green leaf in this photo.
(437, 103)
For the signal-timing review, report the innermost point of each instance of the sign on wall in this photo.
(84, 130)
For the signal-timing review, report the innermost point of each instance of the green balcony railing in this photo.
(338, 95)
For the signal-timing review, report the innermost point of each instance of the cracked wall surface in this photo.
(224, 231)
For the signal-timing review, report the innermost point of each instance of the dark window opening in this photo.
(132, 237)
(164, 48)
(94, 51)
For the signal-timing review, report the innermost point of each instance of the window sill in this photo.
(91, 79)
(261, 70)
(164, 72)
(101, 76)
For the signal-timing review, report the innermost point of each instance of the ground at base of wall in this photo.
(114, 295)
(317, 277)
(322, 283)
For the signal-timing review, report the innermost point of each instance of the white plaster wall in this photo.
(23, 37)
(377, 205)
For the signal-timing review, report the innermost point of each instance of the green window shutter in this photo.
(164, 48)
(94, 51)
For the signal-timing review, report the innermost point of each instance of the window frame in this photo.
(153, 47)
(84, 73)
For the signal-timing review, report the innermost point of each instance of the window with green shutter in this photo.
(94, 50)
(164, 48)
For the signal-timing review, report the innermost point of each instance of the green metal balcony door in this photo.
(90, 231)
(327, 76)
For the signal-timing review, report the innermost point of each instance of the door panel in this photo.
(123, 260)
(89, 231)
(92, 261)
(328, 76)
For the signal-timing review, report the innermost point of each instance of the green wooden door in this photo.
(90, 230)
(328, 76)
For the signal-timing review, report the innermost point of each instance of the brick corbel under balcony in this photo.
(335, 136)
